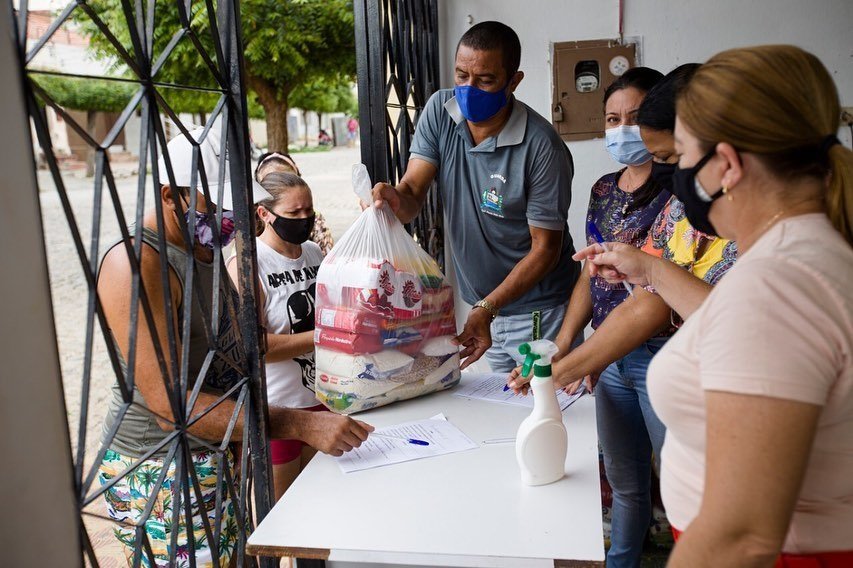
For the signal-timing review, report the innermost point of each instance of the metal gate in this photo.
(245, 485)
(398, 70)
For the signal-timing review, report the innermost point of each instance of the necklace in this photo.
(629, 199)
(772, 220)
(629, 182)
(624, 212)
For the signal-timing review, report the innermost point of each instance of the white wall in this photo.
(673, 32)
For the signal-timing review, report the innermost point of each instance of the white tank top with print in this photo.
(289, 286)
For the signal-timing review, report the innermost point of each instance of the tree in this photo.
(286, 43)
(90, 96)
(332, 94)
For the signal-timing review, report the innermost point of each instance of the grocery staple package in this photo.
(384, 315)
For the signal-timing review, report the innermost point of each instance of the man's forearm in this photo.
(524, 276)
(285, 423)
(288, 423)
(410, 206)
(410, 193)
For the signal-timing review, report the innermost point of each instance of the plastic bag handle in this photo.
(361, 183)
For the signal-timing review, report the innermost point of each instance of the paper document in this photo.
(443, 438)
(490, 387)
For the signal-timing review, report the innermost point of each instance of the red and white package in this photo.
(437, 300)
(377, 292)
(347, 342)
(352, 320)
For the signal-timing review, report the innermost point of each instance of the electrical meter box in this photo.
(582, 71)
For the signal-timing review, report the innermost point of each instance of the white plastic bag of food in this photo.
(384, 315)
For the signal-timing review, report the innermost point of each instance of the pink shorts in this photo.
(285, 451)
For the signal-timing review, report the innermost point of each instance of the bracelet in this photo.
(489, 307)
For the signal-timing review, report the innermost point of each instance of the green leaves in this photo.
(297, 53)
(330, 94)
(286, 42)
(86, 94)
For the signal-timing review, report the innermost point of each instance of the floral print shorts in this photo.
(128, 499)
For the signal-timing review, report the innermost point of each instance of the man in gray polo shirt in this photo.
(505, 179)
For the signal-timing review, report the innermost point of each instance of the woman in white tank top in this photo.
(287, 270)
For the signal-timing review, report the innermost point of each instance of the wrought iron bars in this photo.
(398, 70)
(200, 311)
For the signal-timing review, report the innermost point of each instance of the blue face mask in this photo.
(626, 146)
(478, 105)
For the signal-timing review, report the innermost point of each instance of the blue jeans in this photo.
(508, 332)
(629, 432)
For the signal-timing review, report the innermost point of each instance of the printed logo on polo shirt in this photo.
(492, 202)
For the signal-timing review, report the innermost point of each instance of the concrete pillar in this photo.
(40, 522)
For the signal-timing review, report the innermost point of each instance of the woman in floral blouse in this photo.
(634, 330)
(623, 206)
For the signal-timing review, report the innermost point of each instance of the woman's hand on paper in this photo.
(518, 384)
(334, 434)
(618, 262)
(476, 336)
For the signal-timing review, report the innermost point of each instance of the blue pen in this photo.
(414, 441)
(593, 230)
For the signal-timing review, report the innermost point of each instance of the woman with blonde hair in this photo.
(756, 389)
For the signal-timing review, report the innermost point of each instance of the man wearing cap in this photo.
(505, 180)
(145, 429)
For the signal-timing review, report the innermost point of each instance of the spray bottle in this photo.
(541, 442)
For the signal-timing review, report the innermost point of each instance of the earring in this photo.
(727, 194)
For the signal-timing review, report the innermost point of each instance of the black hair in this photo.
(657, 110)
(487, 36)
(640, 78)
(275, 158)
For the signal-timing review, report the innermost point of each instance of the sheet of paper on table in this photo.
(490, 387)
(442, 435)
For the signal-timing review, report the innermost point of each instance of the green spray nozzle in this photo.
(529, 358)
(539, 352)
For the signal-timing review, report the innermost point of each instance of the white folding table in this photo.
(467, 509)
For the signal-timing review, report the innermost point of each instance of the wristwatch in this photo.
(489, 307)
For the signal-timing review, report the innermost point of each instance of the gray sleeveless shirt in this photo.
(139, 431)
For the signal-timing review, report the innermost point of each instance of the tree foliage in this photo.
(325, 95)
(86, 94)
(286, 43)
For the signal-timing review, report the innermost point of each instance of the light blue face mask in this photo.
(626, 146)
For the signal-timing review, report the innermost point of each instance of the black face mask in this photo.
(662, 174)
(294, 231)
(697, 203)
